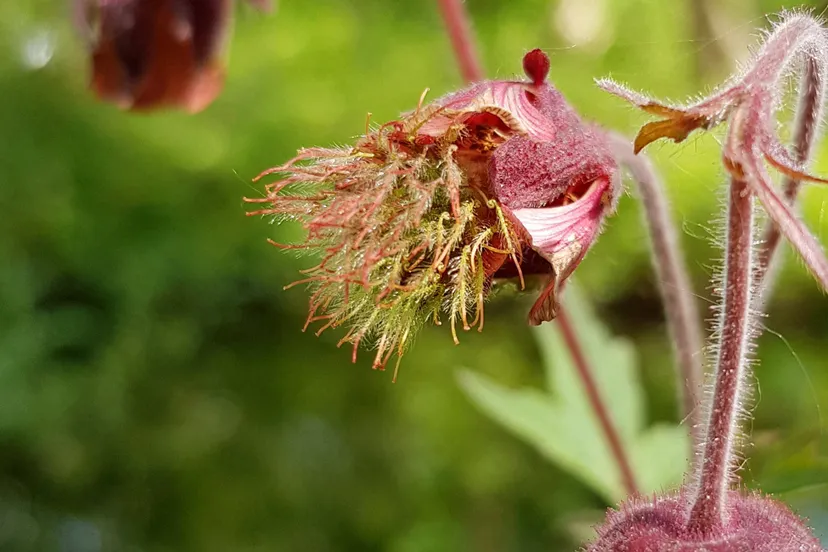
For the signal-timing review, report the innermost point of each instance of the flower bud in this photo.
(754, 524)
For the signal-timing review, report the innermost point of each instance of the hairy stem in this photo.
(680, 307)
(794, 230)
(596, 402)
(804, 133)
(715, 467)
(459, 30)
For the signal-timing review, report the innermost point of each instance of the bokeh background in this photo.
(156, 392)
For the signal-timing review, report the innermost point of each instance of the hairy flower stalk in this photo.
(605, 421)
(797, 39)
(457, 27)
(420, 217)
(707, 514)
(683, 317)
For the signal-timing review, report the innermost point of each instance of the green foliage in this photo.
(561, 424)
(792, 463)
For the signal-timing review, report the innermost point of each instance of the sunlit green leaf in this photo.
(561, 424)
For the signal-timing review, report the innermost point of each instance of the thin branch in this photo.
(680, 306)
(804, 132)
(596, 402)
(459, 30)
(716, 466)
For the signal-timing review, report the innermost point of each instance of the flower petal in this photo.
(562, 235)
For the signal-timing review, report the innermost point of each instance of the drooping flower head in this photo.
(148, 54)
(423, 213)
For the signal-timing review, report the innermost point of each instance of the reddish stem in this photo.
(683, 319)
(805, 127)
(459, 31)
(716, 465)
(594, 396)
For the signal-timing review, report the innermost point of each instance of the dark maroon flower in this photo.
(150, 54)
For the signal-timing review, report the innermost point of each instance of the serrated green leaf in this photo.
(561, 424)
(659, 457)
(559, 433)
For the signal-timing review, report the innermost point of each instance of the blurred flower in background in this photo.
(149, 54)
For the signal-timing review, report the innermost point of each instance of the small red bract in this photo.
(536, 66)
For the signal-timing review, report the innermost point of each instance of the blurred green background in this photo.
(156, 392)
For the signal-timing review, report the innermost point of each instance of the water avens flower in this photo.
(148, 54)
(420, 217)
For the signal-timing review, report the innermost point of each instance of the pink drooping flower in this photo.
(424, 213)
(148, 54)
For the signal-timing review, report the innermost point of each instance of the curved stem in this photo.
(459, 31)
(715, 467)
(804, 133)
(594, 397)
(790, 226)
(680, 307)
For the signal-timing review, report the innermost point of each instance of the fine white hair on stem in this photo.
(807, 127)
(752, 99)
(725, 408)
(749, 102)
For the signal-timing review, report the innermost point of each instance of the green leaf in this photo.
(795, 479)
(561, 424)
(790, 462)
